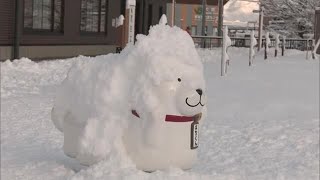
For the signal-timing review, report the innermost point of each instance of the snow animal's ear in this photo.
(163, 20)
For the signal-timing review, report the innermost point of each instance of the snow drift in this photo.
(160, 75)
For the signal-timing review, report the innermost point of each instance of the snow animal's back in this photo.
(85, 90)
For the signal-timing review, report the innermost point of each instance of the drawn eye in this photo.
(179, 79)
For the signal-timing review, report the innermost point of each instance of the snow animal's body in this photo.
(160, 75)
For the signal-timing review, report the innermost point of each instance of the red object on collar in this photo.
(173, 118)
(170, 118)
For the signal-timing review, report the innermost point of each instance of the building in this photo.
(188, 13)
(317, 26)
(44, 29)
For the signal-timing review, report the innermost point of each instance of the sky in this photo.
(240, 12)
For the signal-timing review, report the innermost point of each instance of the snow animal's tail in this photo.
(57, 119)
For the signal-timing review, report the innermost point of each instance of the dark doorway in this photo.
(160, 12)
(143, 16)
(150, 13)
(137, 23)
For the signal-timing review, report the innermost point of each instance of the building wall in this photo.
(7, 13)
(317, 27)
(56, 52)
(71, 34)
(31, 43)
(143, 17)
(71, 38)
(190, 15)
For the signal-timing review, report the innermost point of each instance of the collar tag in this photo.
(194, 135)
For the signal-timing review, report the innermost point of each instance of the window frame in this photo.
(103, 33)
(52, 30)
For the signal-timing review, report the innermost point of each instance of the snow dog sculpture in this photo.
(145, 103)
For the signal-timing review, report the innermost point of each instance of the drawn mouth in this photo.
(195, 104)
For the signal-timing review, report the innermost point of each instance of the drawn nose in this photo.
(199, 91)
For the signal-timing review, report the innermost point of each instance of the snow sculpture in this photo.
(268, 42)
(253, 43)
(145, 103)
(225, 57)
(315, 48)
(119, 20)
(163, 20)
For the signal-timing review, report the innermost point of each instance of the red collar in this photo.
(171, 118)
(174, 118)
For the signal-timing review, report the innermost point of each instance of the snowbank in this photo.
(263, 123)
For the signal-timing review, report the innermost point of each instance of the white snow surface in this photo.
(263, 122)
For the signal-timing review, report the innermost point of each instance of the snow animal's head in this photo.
(170, 78)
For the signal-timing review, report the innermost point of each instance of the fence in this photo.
(215, 41)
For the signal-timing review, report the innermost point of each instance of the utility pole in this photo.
(130, 21)
(220, 19)
(260, 26)
(203, 30)
(203, 17)
(260, 11)
(261, 16)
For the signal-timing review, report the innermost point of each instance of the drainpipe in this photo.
(16, 31)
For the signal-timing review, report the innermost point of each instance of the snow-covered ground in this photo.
(263, 122)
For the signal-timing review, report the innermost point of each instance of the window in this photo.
(137, 23)
(43, 15)
(93, 16)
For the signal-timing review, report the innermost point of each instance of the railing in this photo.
(207, 41)
(300, 44)
(216, 41)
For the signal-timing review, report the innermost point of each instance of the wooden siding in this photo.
(7, 13)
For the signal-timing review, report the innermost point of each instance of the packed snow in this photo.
(262, 123)
(160, 76)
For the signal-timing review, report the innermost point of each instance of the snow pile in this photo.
(263, 123)
(30, 76)
(93, 107)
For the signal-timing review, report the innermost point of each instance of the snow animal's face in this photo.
(184, 93)
(190, 100)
